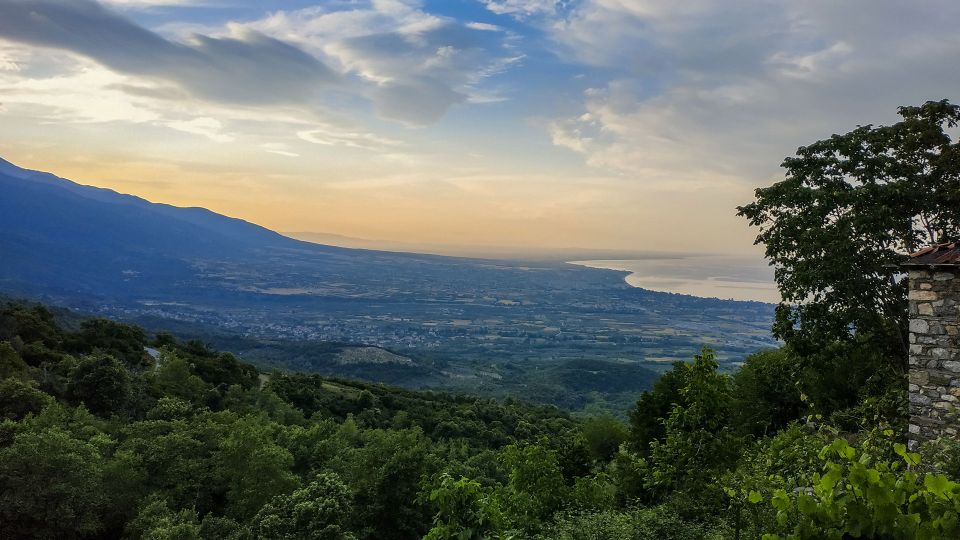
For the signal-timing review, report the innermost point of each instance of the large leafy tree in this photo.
(254, 468)
(50, 486)
(19, 398)
(101, 383)
(536, 488)
(646, 419)
(765, 392)
(11, 364)
(28, 324)
(699, 439)
(385, 469)
(122, 341)
(464, 511)
(316, 511)
(175, 378)
(156, 521)
(175, 458)
(850, 208)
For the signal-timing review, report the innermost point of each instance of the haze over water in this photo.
(708, 276)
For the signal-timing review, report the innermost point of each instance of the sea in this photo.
(708, 276)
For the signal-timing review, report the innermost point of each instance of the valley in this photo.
(496, 327)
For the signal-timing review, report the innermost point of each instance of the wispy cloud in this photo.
(280, 149)
(330, 136)
(88, 94)
(80, 91)
(210, 128)
(484, 26)
(521, 8)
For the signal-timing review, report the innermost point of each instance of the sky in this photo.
(606, 124)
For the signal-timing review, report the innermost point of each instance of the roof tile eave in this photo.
(943, 254)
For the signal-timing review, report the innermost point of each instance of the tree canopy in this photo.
(192, 447)
(849, 210)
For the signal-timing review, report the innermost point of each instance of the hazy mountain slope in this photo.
(468, 323)
(71, 237)
(52, 237)
(237, 229)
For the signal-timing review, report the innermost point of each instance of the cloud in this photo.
(210, 128)
(484, 26)
(246, 67)
(521, 8)
(155, 3)
(700, 90)
(416, 101)
(88, 94)
(66, 90)
(412, 64)
(332, 136)
(280, 149)
(8, 65)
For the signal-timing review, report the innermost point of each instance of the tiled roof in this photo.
(940, 254)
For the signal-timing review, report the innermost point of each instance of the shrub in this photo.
(857, 495)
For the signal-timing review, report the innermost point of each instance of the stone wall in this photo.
(934, 352)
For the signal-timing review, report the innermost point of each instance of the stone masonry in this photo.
(934, 300)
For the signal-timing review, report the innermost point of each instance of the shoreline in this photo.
(707, 276)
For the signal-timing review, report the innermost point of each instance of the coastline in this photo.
(704, 276)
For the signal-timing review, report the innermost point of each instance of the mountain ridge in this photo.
(192, 214)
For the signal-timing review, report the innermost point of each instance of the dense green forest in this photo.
(108, 432)
(102, 439)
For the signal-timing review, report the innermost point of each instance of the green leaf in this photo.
(938, 484)
(843, 449)
(780, 500)
(806, 504)
(830, 479)
(900, 449)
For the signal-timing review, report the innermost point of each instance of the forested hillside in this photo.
(108, 432)
(102, 439)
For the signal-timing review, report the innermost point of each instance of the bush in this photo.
(766, 394)
(787, 461)
(858, 495)
(943, 456)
